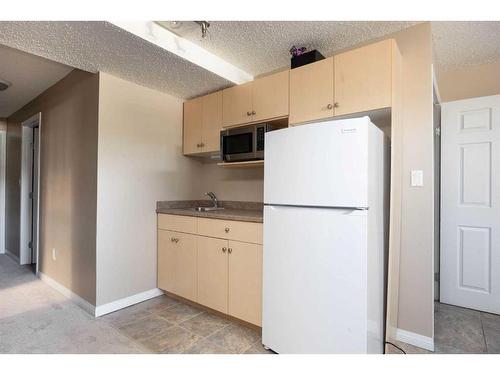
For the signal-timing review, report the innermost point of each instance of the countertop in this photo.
(233, 210)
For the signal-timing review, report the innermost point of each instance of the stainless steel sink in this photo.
(201, 209)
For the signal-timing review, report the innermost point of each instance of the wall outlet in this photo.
(54, 254)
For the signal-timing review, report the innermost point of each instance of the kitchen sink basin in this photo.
(202, 209)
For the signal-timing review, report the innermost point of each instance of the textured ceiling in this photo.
(259, 47)
(100, 46)
(458, 44)
(30, 76)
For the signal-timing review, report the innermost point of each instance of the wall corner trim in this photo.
(127, 301)
(414, 339)
(84, 304)
(12, 256)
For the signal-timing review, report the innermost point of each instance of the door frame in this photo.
(25, 253)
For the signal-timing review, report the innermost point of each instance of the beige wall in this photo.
(416, 311)
(139, 162)
(68, 180)
(469, 82)
(245, 184)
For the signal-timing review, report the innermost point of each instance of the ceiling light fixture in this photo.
(162, 37)
(204, 27)
(4, 85)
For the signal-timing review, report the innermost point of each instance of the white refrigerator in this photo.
(325, 234)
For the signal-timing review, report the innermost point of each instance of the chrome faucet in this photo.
(213, 197)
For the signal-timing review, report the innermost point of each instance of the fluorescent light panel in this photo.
(161, 37)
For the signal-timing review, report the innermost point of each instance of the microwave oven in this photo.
(244, 143)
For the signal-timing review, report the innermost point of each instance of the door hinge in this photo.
(436, 277)
(30, 245)
(31, 195)
(437, 131)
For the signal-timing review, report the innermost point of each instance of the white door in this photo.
(470, 203)
(314, 283)
(333, 152)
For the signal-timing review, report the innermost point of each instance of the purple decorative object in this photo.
(294, 51)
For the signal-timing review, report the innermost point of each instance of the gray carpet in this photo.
(34, 318)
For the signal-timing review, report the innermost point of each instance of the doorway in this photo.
(470, 204)
(30, 191)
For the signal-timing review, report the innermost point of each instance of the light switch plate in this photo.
(417, 178)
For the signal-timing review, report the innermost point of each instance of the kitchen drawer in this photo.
(177, 223)
(231, 230)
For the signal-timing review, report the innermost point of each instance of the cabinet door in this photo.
(311, 92)
(213, 273)
(237, 105)
(166, 260)
(193, 116)
(185, 266)
(363, 78)
(212, 122)
(270, 96)
(177, 263)
(245, 281)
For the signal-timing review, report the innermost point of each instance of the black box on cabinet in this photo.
(306, 58)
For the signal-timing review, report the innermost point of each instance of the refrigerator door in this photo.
(323, 164)
(315, 280)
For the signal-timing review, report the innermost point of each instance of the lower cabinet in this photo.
(222, 274)
(212, 273)
(177, 257)
(245, 281)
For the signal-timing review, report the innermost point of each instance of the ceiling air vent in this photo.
(4, 85)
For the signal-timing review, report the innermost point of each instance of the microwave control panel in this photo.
(260, 138)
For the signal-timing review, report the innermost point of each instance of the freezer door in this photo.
(322, 164)
(315, 281)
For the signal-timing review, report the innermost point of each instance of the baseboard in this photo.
(127, 301)
(12, 256)
(84, 304)
(414, 339)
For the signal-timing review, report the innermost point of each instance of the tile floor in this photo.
(166, 325)
(34, 318)
(460, 331)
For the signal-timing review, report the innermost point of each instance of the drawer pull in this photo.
(229, 250)
(224, 249)
(173, 239)
(226, 230)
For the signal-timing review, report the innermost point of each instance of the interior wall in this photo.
(140, 162)
(233, 184)
(3, 130)
(68, 180)
(469, 82)
(416, 309)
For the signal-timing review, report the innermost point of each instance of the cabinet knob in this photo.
(224, 249)
(229, 250)
(253, 112)
(249, 113)
(202, 144)
(226, 230)
(335, 105)
(173, 239)
(329, 106)
(198, 145)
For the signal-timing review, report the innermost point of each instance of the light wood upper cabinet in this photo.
(311, 92)
(193, 119)
(245, 282)
(213, 273)
(237, 104)
(264, 99)
(212, 122)
(363, 78)
(270, 96)
(202, 124)
(177, 272)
